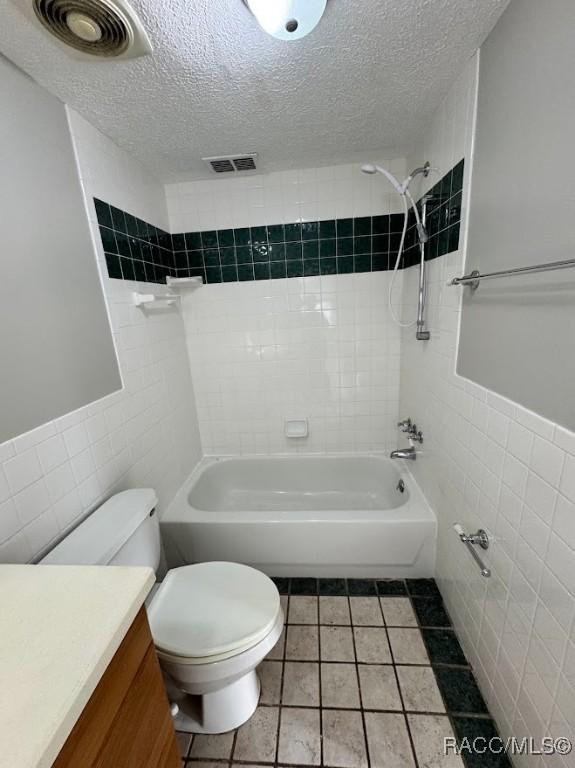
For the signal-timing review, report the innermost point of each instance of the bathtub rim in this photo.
(179, 510)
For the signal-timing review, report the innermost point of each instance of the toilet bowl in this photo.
(212, 624)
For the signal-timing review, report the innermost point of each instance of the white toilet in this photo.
(212, 623)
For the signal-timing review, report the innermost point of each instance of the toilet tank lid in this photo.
(101, 535)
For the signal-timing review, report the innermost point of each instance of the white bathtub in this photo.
(304, 516)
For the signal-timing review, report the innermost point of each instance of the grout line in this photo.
(365, 739)
(406, 721)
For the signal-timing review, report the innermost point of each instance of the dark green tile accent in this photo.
(327, 248)
(282, 585)
(260, 252)
(362, 263)
(108, 240)
(259, 235)
(225, 237)
(140, 271)
(244, 254)
(213, 274)
(292, 232)
(212, 258)
(118, 219)
(179, 242)
(209, 239)
(453, 238)
(310, 267)
(460, 691)
(278, 269)
(345, 246)
(131, 225)
(344, 265)
(362, 245)
(430, 612)
(362, 226)
(245, 272)
(457, 178)
(327, 229)
(380, 243)
(328, 266)
(295, 268)
(227, 257)
(379, 262)
(293, 251)
(279, 250)
(443, 646)
(363, 587)
(311, 250)
(396, 222)
(303, 586)
(332, 587)
(127, 268)
(310, 230)
(229, 274)
(380, 225)
(193, 241)
(262, 271)
(423, 588)
(242, 236)
(113, 265)
(391, 587)
(195, 259)
(276, 233)
(344, 228)
(103, 213)
(482, 729)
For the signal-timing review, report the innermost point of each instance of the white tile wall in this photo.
(332, 192)
(490, 463)
(145, 435)
(323, 348)
(316, 347)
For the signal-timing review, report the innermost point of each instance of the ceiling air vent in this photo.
(232, 163)
(104, 28)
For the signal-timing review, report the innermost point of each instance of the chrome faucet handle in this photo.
(416, 435)
(405, 425)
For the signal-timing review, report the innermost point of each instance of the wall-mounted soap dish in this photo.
(296, 428)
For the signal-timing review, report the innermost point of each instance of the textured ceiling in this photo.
(367, 78)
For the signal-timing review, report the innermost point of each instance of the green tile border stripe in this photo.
(136, 250)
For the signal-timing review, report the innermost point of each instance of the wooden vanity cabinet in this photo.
(127, 721)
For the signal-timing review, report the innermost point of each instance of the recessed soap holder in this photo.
(296, 428)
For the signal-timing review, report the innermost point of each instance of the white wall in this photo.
(489, 463)
(333, 192)
(145, 435)
(317, 347)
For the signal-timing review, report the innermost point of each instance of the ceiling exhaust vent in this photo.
(232, 163)
(103, 28)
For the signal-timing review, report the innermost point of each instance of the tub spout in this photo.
(404, 453)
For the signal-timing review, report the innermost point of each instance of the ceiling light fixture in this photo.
(287, 19)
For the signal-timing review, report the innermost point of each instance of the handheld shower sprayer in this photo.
(402, 188)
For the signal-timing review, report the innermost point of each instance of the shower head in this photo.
(371, 169)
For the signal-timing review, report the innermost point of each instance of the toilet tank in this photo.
(124, 531)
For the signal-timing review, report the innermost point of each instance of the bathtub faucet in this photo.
(404, 453)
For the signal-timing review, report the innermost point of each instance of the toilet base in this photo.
(219, 711)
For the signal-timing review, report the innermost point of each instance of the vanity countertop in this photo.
(60, 626)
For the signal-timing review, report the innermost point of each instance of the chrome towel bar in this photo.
(471, 540)
(473, 278)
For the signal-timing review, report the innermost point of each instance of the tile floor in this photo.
(367, 674)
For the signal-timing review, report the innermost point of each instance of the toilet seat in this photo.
(208, 612)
